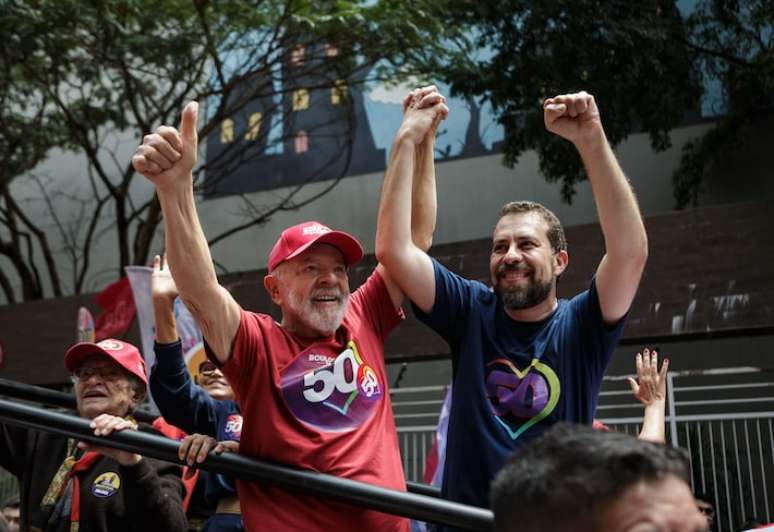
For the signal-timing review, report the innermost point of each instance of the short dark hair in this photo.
(555, 231)
(563, 480)
(11, 502)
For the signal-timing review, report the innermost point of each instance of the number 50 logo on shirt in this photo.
(332, 391)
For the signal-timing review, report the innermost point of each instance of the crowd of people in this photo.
(311, 389)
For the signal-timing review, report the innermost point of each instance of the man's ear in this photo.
(271, 284)
(138, 397)
(561, 260)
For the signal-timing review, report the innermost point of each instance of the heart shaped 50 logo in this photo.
(332, 391)
(521, 398)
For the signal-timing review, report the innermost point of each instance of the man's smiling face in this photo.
(522, 263)
(312, 290)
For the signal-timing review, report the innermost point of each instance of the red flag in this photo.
(117, 310)
(431, 463)
(190, 475)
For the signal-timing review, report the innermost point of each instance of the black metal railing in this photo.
(422, 507)
(38, 394)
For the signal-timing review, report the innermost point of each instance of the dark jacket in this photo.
(185, 405)
(144, 497)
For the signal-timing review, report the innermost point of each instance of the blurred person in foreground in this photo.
(576, 479)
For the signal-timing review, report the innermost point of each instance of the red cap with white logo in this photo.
(126, 355)
(295, 240)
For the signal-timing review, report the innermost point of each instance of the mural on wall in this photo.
(311, 126)
(319, 129)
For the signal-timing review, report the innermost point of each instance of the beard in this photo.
(325, 320)
(521, 297)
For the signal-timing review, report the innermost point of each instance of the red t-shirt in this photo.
(322, 406)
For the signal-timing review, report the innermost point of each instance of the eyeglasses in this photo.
(106, 373)
(208, 369)
(706, 509)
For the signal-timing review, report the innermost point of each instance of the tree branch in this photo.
(5, 284)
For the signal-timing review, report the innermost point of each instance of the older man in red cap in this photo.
(312, 388)
(69, 485)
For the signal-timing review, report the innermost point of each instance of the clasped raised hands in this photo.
(422, 110)
(167, 156)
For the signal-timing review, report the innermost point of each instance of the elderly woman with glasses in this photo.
(71, 485)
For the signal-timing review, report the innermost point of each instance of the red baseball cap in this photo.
(295, 240)
(126, 355)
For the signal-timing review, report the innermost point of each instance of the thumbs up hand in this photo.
(167, 156)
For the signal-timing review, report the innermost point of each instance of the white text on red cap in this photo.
(110, 345)
(315, 229)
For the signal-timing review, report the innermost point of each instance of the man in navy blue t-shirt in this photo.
(522, 359)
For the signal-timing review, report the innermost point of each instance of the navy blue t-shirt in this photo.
(186, 406)
(512, 380)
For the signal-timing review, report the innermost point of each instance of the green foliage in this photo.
(644, 62)
(624, 53)
(73, 73)
(734, 44)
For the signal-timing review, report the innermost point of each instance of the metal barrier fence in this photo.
(416, 411)
(56, 399)
(360, 494)
(724, 418)
(415, 444)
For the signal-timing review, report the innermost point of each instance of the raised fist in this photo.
(574, 117)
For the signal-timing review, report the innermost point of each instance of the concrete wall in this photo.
(470, 193)
(708, 276)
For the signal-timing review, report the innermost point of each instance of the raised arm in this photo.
(163, 294)
(650, 390)
(576, 118)
(424, 200)
(167, 158)
(180, 401)
(423, 196)
(399, 233)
